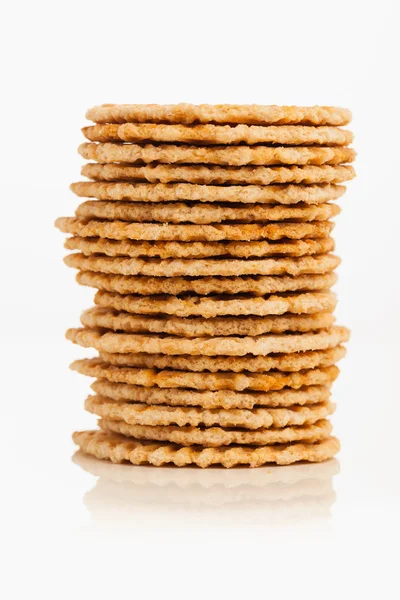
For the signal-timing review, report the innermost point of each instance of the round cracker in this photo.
(95, 367)
(203, 267)
(121, 230)
(214, 306)
(218, 113)
(183, 416)
(257, 285)
(227, 399)
(217, 155)
(283, 362)
(203, 214)
(225, 346)
(245, 194)
(199, 327)
(219, 436)
(211, 134)
(118, 448)
(213, 174)
(199, 249)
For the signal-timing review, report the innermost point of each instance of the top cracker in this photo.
(252, 114)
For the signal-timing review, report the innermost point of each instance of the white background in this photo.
(68, 534)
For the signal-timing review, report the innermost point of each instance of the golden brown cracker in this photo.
(212, 134)
(106, 318)
(190, 114)
(217, 155)
(203, 267)
(272, 380)
(121, 230)
(283, 362)
(219, 436)
(256, 285)
(184, 416)
(225, 346)
(220, 305)
(203, 214)
(96, 245)
(244, 194)
(213, 174)
(227, 399)
(118, 448)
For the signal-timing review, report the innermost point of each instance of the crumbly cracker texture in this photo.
(217, 155)
(132, 249)
(183, 416)
(203, 214)
(244, 194)
(106, 341)
(214, 174)
(118, 449)
(218, 113)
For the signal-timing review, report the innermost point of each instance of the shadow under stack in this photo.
(206, 231)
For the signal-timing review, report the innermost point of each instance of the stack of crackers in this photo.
(207, 234)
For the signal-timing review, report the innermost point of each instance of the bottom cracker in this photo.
(118, 448)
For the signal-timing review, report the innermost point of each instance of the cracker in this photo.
(118, 448)
(218, 113)
(214, 306)
(213, 174)
(217, 155)
(257, 285)
(273, 380)
(203, 214)
(227, 399)
(211, 134)
(283, 362)
(183, 416)
(203, 267)
(225, 346)
(121, 230)
(218, 436)
(199, 249)
(198, 327)
(245, 194)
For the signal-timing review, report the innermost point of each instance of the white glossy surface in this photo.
(76, 528)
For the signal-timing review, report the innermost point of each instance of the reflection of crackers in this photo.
(199, 327)
(266, 493)
(310, 478)
(282, 362)
(218, 436)
(203, 214)
(121, 230)
(197, 250)
(225, 346)
(219, 305)
(257, 286)
(273, 380)
(218, 113)
(245, 194)
(217, 155)
(226, 399)
(144, 414)
(213, 174)
(118, 448)
(203, 267)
